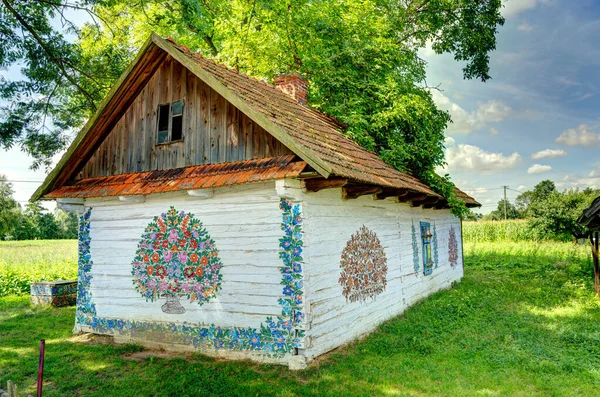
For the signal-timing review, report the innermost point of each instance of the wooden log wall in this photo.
(244, 222)
(330, 223)
(214, 131)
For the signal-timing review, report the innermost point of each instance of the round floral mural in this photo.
(364, 267)
(176, 257)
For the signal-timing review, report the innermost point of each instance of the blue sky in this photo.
(538, 118)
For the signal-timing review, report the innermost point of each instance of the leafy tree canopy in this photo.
(361, 58)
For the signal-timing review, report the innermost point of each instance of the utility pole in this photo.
(505, 216)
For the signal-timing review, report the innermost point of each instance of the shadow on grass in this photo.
(516, 325)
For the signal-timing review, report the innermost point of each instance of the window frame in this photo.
(426, 246)
(170, 122)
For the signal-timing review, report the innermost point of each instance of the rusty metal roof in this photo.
(187, 178)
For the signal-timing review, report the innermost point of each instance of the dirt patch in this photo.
(93, 339)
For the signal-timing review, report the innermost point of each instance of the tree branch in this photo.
(58, 61)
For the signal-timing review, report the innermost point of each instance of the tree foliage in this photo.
(360, 57)
(554, 214)
(34, 222)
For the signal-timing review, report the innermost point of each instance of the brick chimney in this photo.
(294, 85)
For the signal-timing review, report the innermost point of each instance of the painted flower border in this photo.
(415, 248)
(275, 337)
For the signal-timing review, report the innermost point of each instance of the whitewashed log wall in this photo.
(329, 224)
(245, 225)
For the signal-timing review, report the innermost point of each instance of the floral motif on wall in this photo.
(85, 307)
(176, 257)
(434, 242)
(452, 247)
(274, 338)
(415, 248)
(364, 267)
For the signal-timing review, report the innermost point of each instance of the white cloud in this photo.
(491, 112)
(494, 132)
(584, 135)
(463, 122)
(469, 157)
(449, 141)
(548, 154)
(514, 7)
(592, 174)
(538, 169)
(525, 27)
(579, 182)
(476, 191)
(522, 188)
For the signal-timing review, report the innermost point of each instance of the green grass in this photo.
(24, 262)
(523, 322)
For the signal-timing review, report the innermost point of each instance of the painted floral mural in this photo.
(275, 337)
(452, 247)
(364, 267)
(415, 248)
(175, 258)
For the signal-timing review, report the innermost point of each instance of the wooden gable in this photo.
(214, 131)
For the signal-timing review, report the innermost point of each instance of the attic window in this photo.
(170, 123)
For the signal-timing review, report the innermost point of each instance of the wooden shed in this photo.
(222, 213)
(590, 219)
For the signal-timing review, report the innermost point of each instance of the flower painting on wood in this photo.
(452, 248)
(364, 267)
(176, 257)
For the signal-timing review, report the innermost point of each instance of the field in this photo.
(24, 262)
(523, 322)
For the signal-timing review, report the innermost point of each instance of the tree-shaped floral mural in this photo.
(364, 266)
(452, 247)
(176, 257)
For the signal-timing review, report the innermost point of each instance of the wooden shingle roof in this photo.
(313, 136)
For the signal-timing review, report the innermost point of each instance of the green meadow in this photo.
(522, 322)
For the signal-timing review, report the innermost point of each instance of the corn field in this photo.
(492, 231)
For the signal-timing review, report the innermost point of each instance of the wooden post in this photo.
(594, 242)
(40, 378)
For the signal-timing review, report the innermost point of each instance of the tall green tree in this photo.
(360, 57)
(9, 208)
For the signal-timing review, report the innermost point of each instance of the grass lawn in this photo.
(522, 322)
(24, 262)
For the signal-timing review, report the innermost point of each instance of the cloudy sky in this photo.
(538, 118)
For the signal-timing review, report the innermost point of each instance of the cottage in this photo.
(223, 214)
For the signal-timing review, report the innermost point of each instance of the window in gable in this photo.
(170, 123)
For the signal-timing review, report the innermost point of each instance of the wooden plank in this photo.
(314, 185)
(355, 191)
(190, 114)
(247, 131)
(233, 134)
(217, 131)
(204, 125)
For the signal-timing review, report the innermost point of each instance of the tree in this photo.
(67, 222)
(556, 215)
(176, 257)
(61, 85)
(9, 209)
(361, 59)
(498, 213)
(471, 215)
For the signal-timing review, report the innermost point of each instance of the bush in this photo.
(511, 230)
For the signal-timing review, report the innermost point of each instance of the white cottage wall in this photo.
(244, 222)
(329, 224)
